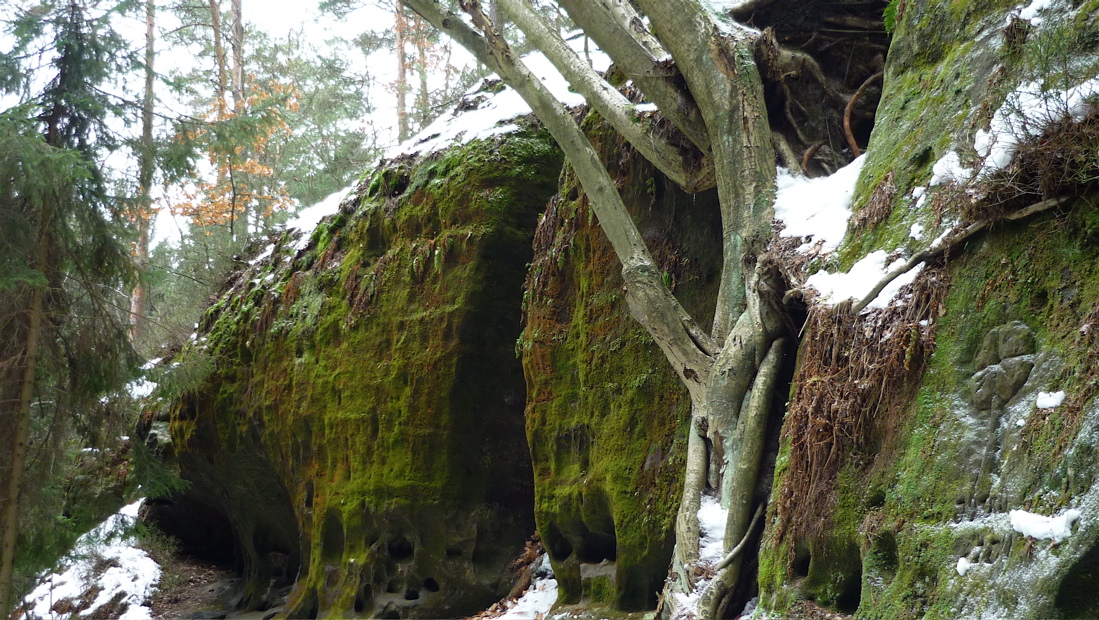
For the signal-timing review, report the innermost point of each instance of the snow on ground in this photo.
(817, 208)
(129, 572)
(539, 598)
(711, 550)
(1042, 527)
(481, 115)
(1050, 400)
(711, 526)
(857, 283)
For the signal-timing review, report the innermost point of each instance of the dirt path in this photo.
(192, 588)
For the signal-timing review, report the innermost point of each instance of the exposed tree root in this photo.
(855, 152)
(808, 156)
(751, 432)
(786, 154)
(779, 63)
(739, 548)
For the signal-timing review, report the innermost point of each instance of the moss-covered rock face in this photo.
(605, 413)
(1016, 319)
(363, 423)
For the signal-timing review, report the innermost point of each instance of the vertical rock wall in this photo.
(936, 480)
(606, 416)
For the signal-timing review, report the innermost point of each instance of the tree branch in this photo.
(685, 345)
(611, 104)
(619, 31)
(950, 241)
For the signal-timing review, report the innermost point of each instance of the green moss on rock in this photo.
(605, 413)
(972, 445)
(372, 378)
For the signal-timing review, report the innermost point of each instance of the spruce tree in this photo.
(63, 259)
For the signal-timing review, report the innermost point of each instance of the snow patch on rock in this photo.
(817, 208)
(482, 114)
(1044, 528)
(1050, 400)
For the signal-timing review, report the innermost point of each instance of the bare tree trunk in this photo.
(402, 73)
(219, 58)
(236, 42)
(220, 103)
(145, 177)
(9, 517)
(717, 101)
(423, 101)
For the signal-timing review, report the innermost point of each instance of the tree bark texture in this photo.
(401, 32)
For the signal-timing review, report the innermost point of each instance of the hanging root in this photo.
(856, 377)
(855, 152)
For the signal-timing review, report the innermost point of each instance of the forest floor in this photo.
(198, 589)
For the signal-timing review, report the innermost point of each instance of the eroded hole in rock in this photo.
(453, 551)
(558, 546)
(202, 531)
(597, 547)
(431, 585)
(400, 548)
(394, 586)
(802, 559)
(332, 536)
(364, 598)
(1076, 595)
(390, 612)
(308, 493)
(411, 594)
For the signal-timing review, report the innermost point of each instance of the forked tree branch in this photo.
(719, 70)
(620, 32)
(608, 101)
(686, 346)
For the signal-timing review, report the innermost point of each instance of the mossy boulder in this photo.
(362, 424)
(606, 415)
(936, 481)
